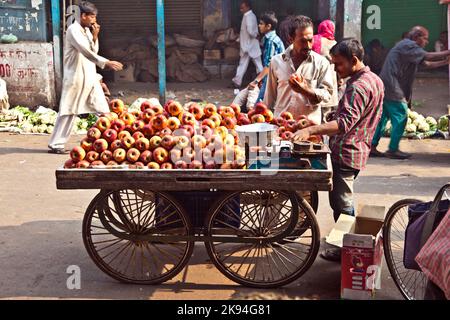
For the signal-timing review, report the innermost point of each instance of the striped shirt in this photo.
(434, 258)
(358, 114)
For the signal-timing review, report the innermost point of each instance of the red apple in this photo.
(96, 163)
(103, 124)
(94, 134)
(116, 144)
(146, 157)
(158, 122)
(168, 142)
(251, 113)
(119, 155)
(291, 125)
(83, 164)
(190, 129)
(258, 118)
(155, 142)
(210, 165)
(92, 156)
(118, 125)
(230, 123)
(86, 144)
(197, 111)
(268, 114)
(174, 108)
(138, 125)
(123, 134)
(198, 142)
(148, 131)
(315, 139)
(106, 156)
(196, 165)
(287, 116)
(173, 123)
(128, 142)
(180, 164)
(133, 155)
(227, 112)
(167, 166)
(147, 115)
(226, 166)
(236, 108)
(260, 108)
(157, 109)
(146, 105)
(100, 145)
(303, 123)
(221, 131)
(110, 115)
(188, 119)
(112, 163)
(209, 123)
(210, 109)
(188, 155)
(77, 154)
(207, 155)
(160, 155)
(138, 135)
(217, 119)
(281, 130)
(153, 166)
(287, 136)
(243, 120)
(165, 132)
(128, 118)
(70, 164)
(117, 106)
(110, 135)
(142, 144)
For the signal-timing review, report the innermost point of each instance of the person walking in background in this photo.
(272, 45)
(398, 75)
(250, 48)
(442, 43)
(375, 56)
(82, 91)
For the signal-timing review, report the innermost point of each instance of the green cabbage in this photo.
(443, 123)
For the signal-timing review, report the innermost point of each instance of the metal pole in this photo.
(161, 50)
(57, 57)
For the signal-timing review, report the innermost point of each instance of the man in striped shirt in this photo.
(352, 129)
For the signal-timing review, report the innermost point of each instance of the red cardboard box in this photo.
(361, 241)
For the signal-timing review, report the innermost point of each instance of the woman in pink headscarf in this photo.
(324, 40)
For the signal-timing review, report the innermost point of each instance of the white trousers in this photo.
(61, 132)
(247, 98)
(243, 65)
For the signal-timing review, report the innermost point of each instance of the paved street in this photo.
(40, 229)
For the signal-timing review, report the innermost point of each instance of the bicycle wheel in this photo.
(411, 283)
(263, 213)
(115, 225)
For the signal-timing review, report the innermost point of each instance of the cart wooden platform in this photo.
(257, 227)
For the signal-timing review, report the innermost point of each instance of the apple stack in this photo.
(169, 137)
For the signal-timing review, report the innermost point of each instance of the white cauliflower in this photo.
(431, 121)
(411, 128)
(50, 129)
(412, 114)
(42, 128)
(423, 127)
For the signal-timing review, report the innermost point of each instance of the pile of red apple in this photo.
(173, 137)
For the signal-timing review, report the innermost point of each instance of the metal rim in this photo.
(263, 213)
(112, 220)
(411, 283)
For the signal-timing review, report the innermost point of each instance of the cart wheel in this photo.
(411, 283)
(114, 218)
(312, 197)
(262, 213)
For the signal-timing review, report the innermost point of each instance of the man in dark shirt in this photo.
(398, 75)
(352, 129)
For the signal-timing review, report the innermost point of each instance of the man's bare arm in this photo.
(435, 64)
(437, 56)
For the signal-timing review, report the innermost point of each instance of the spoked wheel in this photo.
(411, 283)
(262, 214)
(115, 228)
(312, 197)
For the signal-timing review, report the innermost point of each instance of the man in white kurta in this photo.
(250, 47)
(81, 91)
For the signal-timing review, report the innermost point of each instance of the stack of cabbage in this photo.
(420, 127)
(23, 120)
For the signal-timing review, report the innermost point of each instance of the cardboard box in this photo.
(361, 241)
(214, 54)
